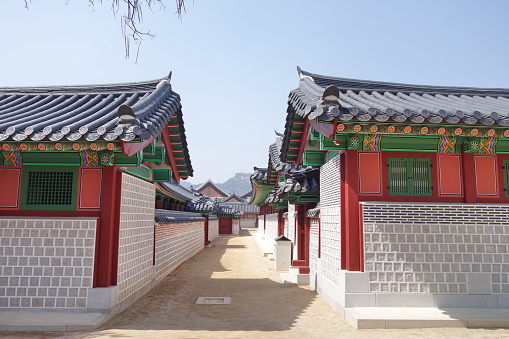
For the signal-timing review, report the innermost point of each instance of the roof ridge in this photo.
(409, 87)
(66, 88)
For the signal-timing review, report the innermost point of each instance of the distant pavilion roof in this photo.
(214, 186)
(175, 191)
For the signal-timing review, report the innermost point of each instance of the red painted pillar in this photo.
(206, 230)
(302, 235)
(307, 231)
(106, 259)
(351, 209)
(469, 179)
(280, 222)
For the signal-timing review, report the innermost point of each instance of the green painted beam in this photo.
(162, 175)
(159, 155)
(51, 158)
(313, 158)
(150, 149)
(123, 160)
(142, 172)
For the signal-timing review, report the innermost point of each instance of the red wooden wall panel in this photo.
(449, 171)
(9, 184)
(90, 188)
(485, 175)
(369, 173)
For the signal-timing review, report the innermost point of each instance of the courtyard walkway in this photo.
(261, 307)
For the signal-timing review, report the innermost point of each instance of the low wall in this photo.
(213, 228)
(176, 243)
(247, 223)
(235, 226)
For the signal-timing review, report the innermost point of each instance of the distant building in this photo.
(233, 211)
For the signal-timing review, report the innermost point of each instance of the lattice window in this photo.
(49, 188)
(409, 177)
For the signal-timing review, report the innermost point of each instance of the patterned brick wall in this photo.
(136, 238)
(271, 229)
(330, 220)
(176, 243)
(291, 229)
(46, 262)
(434, 248)
(213, 228)
(313, 245)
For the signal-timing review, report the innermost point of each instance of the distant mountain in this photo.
(238, 184)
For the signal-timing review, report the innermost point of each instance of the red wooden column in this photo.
(106, 259)
(280, 223)
(206, 230)
(352, 225)
(469, 179)
(302, 237)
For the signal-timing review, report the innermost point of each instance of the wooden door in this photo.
(225, 225)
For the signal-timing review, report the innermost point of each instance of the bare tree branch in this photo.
(133, 16)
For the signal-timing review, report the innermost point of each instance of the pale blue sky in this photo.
(234, 62)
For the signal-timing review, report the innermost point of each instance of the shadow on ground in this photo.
(258, 303)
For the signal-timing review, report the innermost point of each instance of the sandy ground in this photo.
(261, 307)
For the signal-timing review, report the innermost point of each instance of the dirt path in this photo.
(261, 307)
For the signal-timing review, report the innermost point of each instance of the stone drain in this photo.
(213, 301)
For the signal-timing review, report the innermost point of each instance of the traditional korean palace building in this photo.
(234, 212)
(91, 213)
(392, 194)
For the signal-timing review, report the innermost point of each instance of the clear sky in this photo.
(234, 62)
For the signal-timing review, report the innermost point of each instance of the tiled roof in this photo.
(87, 112)
(240, 206)
(259, 174)
(175, 191)
(203, 204)
(346, 99)
(164, 217)
(301, 180)
(330, 98)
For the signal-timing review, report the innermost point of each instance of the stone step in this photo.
(293, 276)
(425, 317)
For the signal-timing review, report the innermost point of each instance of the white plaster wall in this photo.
(247, 222)
(46, 262)
(313, 249)
(271, 228)
(291, 229)
(213, 228)
(136, 235)
(235, 226)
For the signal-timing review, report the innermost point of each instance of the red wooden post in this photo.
(353, 225)
(206, 229)
(307, 230)
(469, 178)
(280, 222)
(106, 259)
